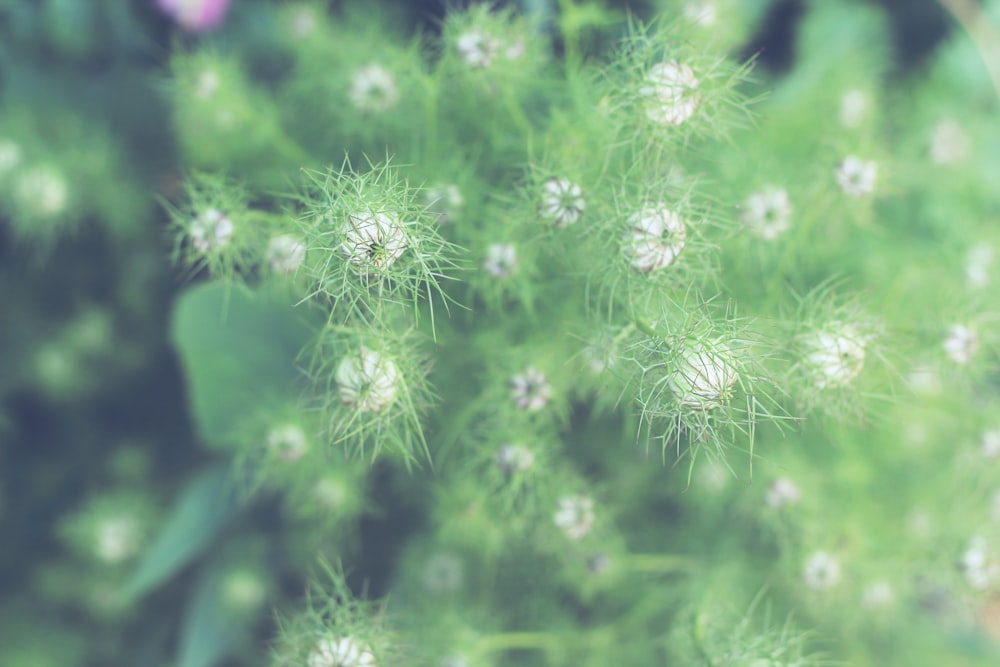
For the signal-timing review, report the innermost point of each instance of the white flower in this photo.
(949, 143)
(512, 459)
(515, 49)
(654, 239)
(530, 389)
(330, 493)
(373, 89)
(10, 155)
(285, 253)
(705, 375)
(42, 191)
(990, 447)
(367, 380)
(961, 344)
(924, 379)
(782, 493)
(767, 213)
(672, 92)
(243, 589)
(978, 564)
(211, 230)
(835, 356)
(703, 13)
(877, 594)
(288, 442)
(977, 265)
(476, 48)
(445, 201)
(373, 240)
(206, 84)
(822, 571)
(117, 538)
(343, 652)
(443, 573)
(853, 108)
(562, 202)
(856, 176)
(575, 516)
(303, 22)
(501, 260)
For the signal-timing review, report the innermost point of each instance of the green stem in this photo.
(645, 327)
(697, 635)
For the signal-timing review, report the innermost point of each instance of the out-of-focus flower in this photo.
(195, 15)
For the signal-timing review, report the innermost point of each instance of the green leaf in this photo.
(205, 507)
(238, 351)
(213, 625)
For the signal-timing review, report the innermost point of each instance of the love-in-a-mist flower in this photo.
(342, 652)
(562, 202)
(654, 238)
(704, 376)
(767, 213)
(671, 92)
(990, 444)
(367, 380)
(854, 105)
(949, 143)
(117, 537)
(856, 176)
(822, 571)
(501, 260)
(476, 48)
(877, 594)
(978, 564)
(285, 253)
(445, 201)
(211, 230)
(195, 15)
(373, 240)
(782, 493)
(288, 442)
(575, 516)
(42, 191)
(512, 459)
(961, 344)
(530, 389)
(835, 355)
(373, 89)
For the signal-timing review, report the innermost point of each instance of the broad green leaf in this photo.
(238, 351)
(223, 607)
(204, 508)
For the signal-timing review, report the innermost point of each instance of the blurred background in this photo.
(92, 399)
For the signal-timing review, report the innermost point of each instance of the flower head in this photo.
(373, 240)
(782, 493)
(343, 652)
(211, 230)
(562, 202)
(117, 537)
(512, 459)
(961, 344)
(990, 446)
(373, 89)
(530, 389)
(671, 89)
(195, 15)
(477, 48)
(42, 191)
(856, 176)
(445, 201)
(704, 376)
(444, 573)
(949, 143)
(575, 516)
(978, 564)
(501, 260)
(767, 212)
(822, 571)
(853, 108)
(367, 380)
(285, 253)
(654, 239)
(835, 356)
(288, 442)
(702, 12)
(978, 263)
